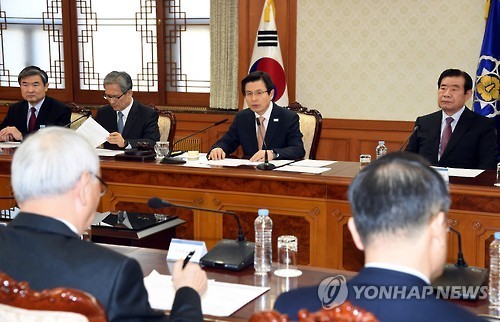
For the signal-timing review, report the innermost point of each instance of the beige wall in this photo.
(380, 59)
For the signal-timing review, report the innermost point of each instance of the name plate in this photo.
(444, 173)
(180, 248)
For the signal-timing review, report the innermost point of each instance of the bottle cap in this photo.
(497, 235)
(263, 212)
(381, 142)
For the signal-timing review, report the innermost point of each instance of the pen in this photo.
(188, 257)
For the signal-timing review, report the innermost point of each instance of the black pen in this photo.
(188, 257)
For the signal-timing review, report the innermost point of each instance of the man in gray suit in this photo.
(56, 182)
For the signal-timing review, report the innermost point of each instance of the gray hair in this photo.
(121, 78)
(50, 162)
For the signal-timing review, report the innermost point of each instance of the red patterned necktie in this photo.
(32, 121)
(446, 135)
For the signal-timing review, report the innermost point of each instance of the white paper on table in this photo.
(467, 173)
(107, 153)
(9, 145)
(312, 163)
(227, 162)
(291, 168)
(93, 132)
(277, 163)
(220, 299)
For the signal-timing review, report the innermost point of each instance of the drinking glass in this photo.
(161, 149)
(364, 160)
(287, 257)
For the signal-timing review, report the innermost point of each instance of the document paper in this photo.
(93, 132)
(220, 299)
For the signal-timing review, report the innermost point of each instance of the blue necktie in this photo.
(120, 122)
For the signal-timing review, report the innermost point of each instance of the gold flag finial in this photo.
(269, 4)
(487, 9)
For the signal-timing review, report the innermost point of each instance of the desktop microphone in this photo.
(229, 254)
(84, 114)
(266, 165)
(460, 276)
(408, 138)
(169, 159)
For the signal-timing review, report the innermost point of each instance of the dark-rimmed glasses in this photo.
(104, 185)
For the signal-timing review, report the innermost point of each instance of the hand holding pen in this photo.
(191, 275)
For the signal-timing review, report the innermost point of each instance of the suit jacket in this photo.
(427, 308)
(52, 112)
(473, 143)
(141, 124)
(47, 254)
(282, 135)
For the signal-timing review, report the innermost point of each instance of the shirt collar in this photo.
(455, 116)
(267, 114)
(67, 223)
(38, 106)
(399, 268)
(126, 110)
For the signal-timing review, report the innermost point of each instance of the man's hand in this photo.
(260, 155)
(10, 133)
(217, 154)
(191, 276)
(116, 138)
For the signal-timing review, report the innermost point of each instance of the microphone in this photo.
(408, 138)
(461, 276)
(229, 254)
(84, 114)
(266, 165)
(169, 159)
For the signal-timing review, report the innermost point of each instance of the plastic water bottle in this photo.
(381, 149)
(263, 248)
(494, 286)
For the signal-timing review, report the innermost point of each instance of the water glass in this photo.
(287, 257)
(364, 160)
(161, 149)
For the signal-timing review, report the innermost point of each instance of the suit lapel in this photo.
(435, 134)
(131, 118)
(463, 125)
(272, 125)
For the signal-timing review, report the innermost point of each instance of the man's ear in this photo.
(83, 188)
(439, 224)
(355, 235)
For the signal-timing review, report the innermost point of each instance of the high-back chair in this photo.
(77, 112)
(18, 303)
(311, 122)
(167, 125)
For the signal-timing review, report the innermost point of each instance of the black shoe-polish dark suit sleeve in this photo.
(141, 124)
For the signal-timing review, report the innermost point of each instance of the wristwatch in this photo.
(275, 154)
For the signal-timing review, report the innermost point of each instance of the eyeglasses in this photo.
(108, 97)
(258, 93)
(104, 185)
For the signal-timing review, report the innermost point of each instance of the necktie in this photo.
(120, 122)
(446, 135)
(261, 132)
(32, 121)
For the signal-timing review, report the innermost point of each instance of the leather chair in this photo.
(346, 312)
(167, 125)
(311, 123)
(18, 302)
(77, 112)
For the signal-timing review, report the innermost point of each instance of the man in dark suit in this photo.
(127, 120)
(36, 110)
(399, 207)
(263, 119)
(58, 198)
(455, 137)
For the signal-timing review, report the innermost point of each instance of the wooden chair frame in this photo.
(298, 108)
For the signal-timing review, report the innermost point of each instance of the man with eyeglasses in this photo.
(56, 183)
(128, 121)
(36, 110)
(263, 126)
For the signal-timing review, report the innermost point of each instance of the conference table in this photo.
(154, 259)
(313, 207)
